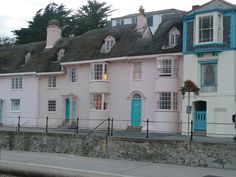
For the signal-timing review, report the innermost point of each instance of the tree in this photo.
(6, 41)
(36, 30)
(91, 16)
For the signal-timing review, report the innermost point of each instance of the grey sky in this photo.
(14, 14)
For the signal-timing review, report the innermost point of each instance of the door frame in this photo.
(200, 116)
(136, 119)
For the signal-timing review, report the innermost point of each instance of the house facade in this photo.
(209, 43)
(125, 73)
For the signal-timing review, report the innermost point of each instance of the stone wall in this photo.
(202, 154)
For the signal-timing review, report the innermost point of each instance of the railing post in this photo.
(77, 125)
(18, 125)
(108, 126)
(191, 135)
(47, 124)
(112, 121)
(147, 134)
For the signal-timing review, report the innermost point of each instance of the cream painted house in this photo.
(209, 43)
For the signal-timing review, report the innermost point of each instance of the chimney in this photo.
(141, 20)
(53, 33)
(194, 7)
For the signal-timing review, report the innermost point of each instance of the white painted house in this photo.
(209, 43)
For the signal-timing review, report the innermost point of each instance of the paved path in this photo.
(64, 165)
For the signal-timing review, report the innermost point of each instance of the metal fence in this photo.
(146, 127)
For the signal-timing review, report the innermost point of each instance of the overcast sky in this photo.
(14, 14)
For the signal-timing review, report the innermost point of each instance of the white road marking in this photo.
(63, 168)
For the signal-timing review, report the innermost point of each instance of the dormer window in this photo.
(173, 36)
(208, 28)
(109, 42)
(27, 57)
(60, 54)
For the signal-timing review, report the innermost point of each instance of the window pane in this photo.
(15, 105)
(137, 71)
(165, 100)
(208, 77)
(206, 29)
(52, 106)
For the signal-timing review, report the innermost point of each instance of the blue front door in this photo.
(0, 111)
(200, 121)
(67, 109)
(136, 112)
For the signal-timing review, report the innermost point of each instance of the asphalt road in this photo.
(64, 165)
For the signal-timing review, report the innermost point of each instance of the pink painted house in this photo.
(125, 73)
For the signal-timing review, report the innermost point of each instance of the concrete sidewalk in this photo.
(64, 165)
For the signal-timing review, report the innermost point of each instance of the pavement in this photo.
(127, 134)
(40, 164)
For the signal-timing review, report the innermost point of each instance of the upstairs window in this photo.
(120, 22)
(108, 43)
(15, 105)
(209, 28)
(209, 76)
(73, 75)
(27, 57)
(133, 20)
(60, 54)
(52, 81)
(137, 71)
(168, 68)
(99, 71)
(16, 83)
(150, 20)
(173, 36)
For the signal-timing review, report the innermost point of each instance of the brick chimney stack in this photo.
(53, 33)
(194, 7)
(141, 20)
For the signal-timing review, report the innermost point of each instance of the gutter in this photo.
(50, 73)
(18, 74)
(119, 58)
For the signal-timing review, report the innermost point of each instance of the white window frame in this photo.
(99, 101)
(60, 54)
(15, 105)
(27, 57)
(167, 101)
(52, 81)
(99, 72)
(168, 67)
(73, 75)
(217, 28)
(109, 42)
(174, 36)
(52, 106)
(137, 70)
(16, 83)
(208, 87)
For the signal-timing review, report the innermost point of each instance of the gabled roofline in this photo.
(203, 5)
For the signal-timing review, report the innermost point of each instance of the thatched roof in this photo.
(129, 42)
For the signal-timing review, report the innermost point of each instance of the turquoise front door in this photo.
(136, 112)
(0, 111)
(67, 109)
(200, 121)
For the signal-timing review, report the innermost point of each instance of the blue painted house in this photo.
(209, 47)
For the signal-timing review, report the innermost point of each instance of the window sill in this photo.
(208, 43)
(52, 88)
(14, 111)
(99, 110)
(166, 110)
(52, 112)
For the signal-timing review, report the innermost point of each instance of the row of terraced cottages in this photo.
(127, 73)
